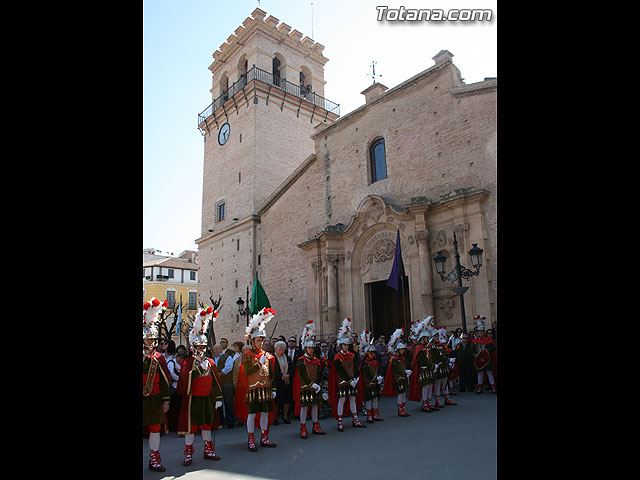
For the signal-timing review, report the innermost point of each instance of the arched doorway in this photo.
(385, 307)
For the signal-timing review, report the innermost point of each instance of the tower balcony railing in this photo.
(275, 81)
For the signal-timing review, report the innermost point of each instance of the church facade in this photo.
(313, 202)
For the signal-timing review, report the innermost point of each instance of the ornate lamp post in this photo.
(246, 310)
(459, 272)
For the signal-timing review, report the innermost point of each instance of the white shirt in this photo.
(174, 372)
(228, 364)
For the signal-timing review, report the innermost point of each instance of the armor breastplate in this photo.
(260, 378)
(348, 366)
(312, 372)
(373, 369)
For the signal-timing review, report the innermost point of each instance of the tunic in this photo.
(368, 386)
(155, 388)
(308, 371)
(255, 387)
(342, 371)
(396, 380)
(200, 388)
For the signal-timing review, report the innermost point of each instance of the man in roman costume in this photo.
(484, 347)
(155, 381)
(343, 381)
(396, 382)
(306, 383)
(200, 387)
(421, 384)
(256, 388)
(370, 383)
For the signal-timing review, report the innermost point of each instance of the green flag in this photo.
(259, 298)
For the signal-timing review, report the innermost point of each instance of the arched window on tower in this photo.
(378, 160)
(276, 71)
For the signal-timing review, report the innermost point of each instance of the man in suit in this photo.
(293, 352)
(224, 364)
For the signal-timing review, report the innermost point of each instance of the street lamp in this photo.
(459, 272)
(246, 310)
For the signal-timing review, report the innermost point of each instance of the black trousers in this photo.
(467, 376)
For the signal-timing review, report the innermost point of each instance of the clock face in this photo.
(223, 134)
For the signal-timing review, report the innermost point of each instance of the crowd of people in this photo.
(268, 381)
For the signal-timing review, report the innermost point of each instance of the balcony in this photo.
(259, 75)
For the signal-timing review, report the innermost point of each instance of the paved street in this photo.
(454, 443)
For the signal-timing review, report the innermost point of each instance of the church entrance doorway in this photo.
(384, 312)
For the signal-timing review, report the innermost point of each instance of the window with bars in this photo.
(221, 210)
(193, 304)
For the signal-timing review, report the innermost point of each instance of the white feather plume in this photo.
(345, 329)
(395, 336)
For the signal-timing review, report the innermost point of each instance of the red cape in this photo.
(184, 420)
(333, 388)
(415, 390)
(240, 407)
(371, 361)
(295, 388)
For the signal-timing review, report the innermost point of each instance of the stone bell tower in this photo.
(267, 100)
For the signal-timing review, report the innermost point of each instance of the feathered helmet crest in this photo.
(258, 322)
(366, 342)
(395, 342)
(151, 310)
(422, 328)
(307, 334)
(344, 333)
(480, 321)
(198, 333)
(442, 334)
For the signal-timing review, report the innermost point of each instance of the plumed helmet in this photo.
(150, 313)
(480, 321)
(422, 328)
(442, 334)
(307, 334)
(198, 333)
(344, 333)
(258, 322)
(366, 342)
(395, 342)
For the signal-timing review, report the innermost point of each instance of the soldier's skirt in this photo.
(260, 400)
(372, 391)
(152, 410)
(309, 398)
(202, 410)
(346, 390)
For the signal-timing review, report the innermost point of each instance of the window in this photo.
(170, 272)
(276, 71)
(221, 211)
(378, 160)
(192, 301)
(192, 275)
(171, 298)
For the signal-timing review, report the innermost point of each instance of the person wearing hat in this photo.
(342, 380)
(421, 381)
(370, 380)
(437, 355)
(446, 366)
(156, 393)
(256, 388)
(306, 383)
(484, 348)
(200, 386)
(396, 382)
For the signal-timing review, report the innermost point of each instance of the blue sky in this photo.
(179, 38)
